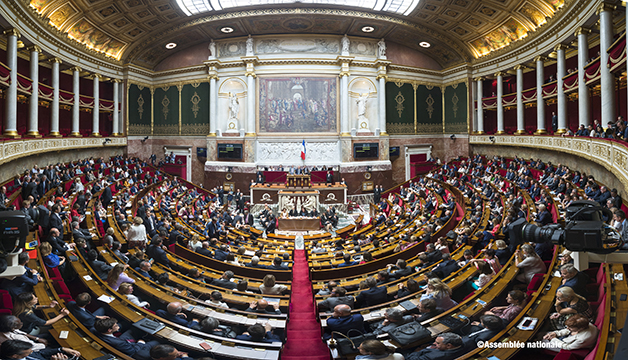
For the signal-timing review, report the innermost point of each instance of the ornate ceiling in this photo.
(136, 31)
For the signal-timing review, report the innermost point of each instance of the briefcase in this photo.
(347, 345)
(409, 333)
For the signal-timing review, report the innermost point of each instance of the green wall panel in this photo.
(456, 109)
(429, 100)
(139, 110)
(166, 108)
(399, 108)
(195, 109)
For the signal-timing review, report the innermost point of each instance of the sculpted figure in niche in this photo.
(212, 50)
(381, 46)
(345, 45)
(234, 106)
(362, 106)
(249, 46)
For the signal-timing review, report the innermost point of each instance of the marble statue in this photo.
(381, 47)
(362, 105)
(234, 106)
(212, 50)
(345, 45)
(249, 46)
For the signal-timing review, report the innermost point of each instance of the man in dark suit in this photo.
(574, 279)
(447, 346)
(399, 270)
(427, 310)
(260, 307)
(221, 253)
(338, 297)
(106, 196)
(24, 282)
(375, 295)
(446, 267)
(144, 269)
(44, 185)
(342, 321)
(225, 281)
(101, 268)
(174, 313)
(277, 264)
(84, 316)
(248, 218)
(489, 326)
(204, 249)
(126, 343)
(329, 179)
(56, 241)
(543, 217)
(78, 233)
(156, 252)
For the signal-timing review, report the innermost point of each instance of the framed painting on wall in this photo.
(293, 104)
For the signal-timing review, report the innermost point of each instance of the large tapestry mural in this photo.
(298, 105)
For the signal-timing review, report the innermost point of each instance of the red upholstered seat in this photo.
(5, 300)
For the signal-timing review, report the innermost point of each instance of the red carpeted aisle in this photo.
(303, 333)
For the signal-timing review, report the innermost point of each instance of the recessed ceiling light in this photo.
(171, 46)
(424, 44)
(368, 29)
(226, 29)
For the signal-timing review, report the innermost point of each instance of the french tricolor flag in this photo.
(303, 151)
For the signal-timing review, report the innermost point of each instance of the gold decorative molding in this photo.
(560, 47)
(604, 6)
(582, 31)
(34, 48)
(540, 58)
(55, 60)
(12, 32)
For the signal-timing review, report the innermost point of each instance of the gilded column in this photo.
(584, 101)
(33, 111)
(116, 103)
(96, 111)
(76, 106)
(479, 109)
(10, 119)
(500, 103)
(562, 99)
(54, 108)
(607, 79)
(540, 104)
(521, 127)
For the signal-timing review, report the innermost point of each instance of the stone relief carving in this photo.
(362, 48)
(228, 49)
(290, 152)
(297, 45)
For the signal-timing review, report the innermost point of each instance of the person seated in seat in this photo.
(529, 262)
(486, 329)
(144, 269)
(375, 295)
(411, 287)
(342, 321)
(204, 249)
(24, 306)
(516, 300)
(574, 279)
(259, 333)
(427, 310)
(19, 349)
(225, 281)
(277, 264)
(399, 270)
(24, 282)
(167, 352)
(212, 326)
(86, 317)
(446, 267)
(375, 349)
(568, 303)
(259, 306)
(138, 349)
(269, 286)
(447, 346)
(440, 292)
(348, 261)
(578, 334)
(338, 296)
(392, 318)
(174, 313)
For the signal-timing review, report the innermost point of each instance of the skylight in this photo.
(193, 7)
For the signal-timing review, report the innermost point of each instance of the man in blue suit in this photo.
(447, 346)
(24, 282)
(174, 313)
(86, 317)
(144, 269)
(156, 252)
(342, 321)
(140, 350)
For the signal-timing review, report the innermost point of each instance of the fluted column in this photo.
(540, 103)
(584, 102)
(479, 109)
(96, 111)
(116, 98)
(344, 100)
(33, 110)
(54, 107)
(10, 118)
(562, 99)
(382, 105)
(213, 101)
(500, 103)
(76, 105)
(607, 79)
(521, 126)
(474, 114)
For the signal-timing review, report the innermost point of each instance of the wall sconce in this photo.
(453, 137)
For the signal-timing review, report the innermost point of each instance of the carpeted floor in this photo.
(303, 333)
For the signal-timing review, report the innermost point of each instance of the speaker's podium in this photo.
(302, 181)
